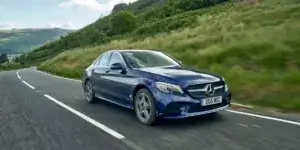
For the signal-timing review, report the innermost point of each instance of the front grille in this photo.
(202, 94)
(201, 86)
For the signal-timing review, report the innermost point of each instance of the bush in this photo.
(10, 66)
(122, 22)
(197, 4)
(3, 58)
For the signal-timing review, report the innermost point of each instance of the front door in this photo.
(119, 88)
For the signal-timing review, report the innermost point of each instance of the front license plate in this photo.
(212, 100)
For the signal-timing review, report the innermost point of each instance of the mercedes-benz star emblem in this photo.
(210, 90)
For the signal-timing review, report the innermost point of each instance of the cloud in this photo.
(7, 25)
(65, 25)
(93, 4)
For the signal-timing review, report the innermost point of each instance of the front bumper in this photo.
(173, 107)
(186, 114)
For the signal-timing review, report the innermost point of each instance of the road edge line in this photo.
(19, 75)
(56, 76)
(88, 119)
(265, 117)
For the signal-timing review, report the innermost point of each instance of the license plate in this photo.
(212, 100)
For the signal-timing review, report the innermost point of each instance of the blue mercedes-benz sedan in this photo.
(154, 85)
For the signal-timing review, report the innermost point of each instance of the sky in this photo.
(67, 14)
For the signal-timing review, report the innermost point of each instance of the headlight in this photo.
(168, 88)
(226, 87)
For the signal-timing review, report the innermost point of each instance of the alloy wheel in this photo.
(89, 91)
(143, 107)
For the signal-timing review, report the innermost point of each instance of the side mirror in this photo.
(116, 66)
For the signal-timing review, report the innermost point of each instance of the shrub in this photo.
(122, 22)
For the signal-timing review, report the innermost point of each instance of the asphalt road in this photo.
(43, 112)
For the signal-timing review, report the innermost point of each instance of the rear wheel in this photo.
(89, 92)
(144, 107)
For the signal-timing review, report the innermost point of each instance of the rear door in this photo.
(99, 73)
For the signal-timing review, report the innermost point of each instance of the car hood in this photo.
(188, 76)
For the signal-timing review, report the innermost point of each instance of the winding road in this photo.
(44, 112)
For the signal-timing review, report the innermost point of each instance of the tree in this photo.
(197, 4)
(118, 7)
(3, 58)
(122, 22)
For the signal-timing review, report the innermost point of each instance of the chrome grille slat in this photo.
(198, 91)
(203, 90)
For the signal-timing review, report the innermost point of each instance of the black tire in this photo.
(152, 108)
(89, 92)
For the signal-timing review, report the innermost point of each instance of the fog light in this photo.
(184, 108)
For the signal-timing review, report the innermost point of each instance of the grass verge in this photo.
(10, 66)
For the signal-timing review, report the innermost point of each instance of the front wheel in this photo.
(144, 107)
(89, 92)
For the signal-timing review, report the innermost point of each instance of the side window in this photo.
(96, 62)
(104, 60)
(115, 58)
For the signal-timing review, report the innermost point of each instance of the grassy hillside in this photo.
(147, 17)
(22, 40)
(255, 47)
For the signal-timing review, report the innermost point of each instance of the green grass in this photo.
(10, 66)
(255, 47)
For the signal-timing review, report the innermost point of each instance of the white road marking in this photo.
(265, 117)
(32, 87)
(57, 76)
(88, 119)
(243, 125)
(18, 75)
(257, 126)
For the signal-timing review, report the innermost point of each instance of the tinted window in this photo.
(115, 58)
(144, 59)
(104, 60)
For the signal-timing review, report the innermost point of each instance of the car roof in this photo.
(134, 50)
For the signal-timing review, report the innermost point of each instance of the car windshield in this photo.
(145, 59)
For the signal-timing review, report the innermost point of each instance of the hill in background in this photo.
(17, 41)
